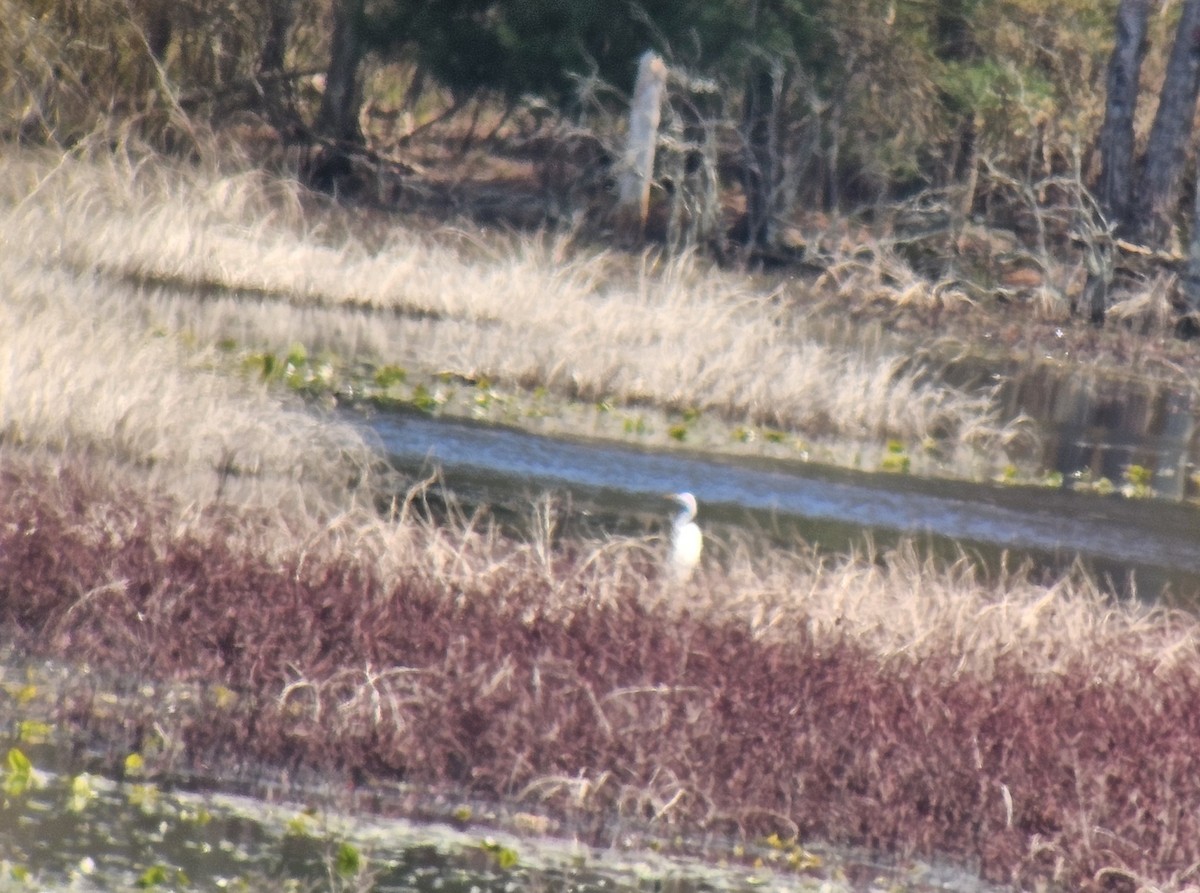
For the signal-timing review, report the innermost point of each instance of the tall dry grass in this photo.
(523, 310)
(1041, 734)
(81, 373)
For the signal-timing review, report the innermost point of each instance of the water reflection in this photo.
(1095, 426)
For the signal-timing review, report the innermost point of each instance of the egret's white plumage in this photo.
(686, 539)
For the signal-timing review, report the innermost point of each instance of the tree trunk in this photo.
(338, 117)
(1190, 284)
(761, 139)
(1116, 136)
(276, 89)
(279, 22)
(1172, 128)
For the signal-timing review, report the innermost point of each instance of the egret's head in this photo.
(687, 500)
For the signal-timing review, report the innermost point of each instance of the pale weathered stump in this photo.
(637, 167)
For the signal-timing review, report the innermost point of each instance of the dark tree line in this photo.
(1141, 196)
(761, 50)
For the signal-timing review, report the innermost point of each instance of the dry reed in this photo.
(80, 373)
(1039, 733)
(679, 334)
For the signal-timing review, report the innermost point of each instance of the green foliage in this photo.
(389, 375)
(1085, 482)
(300, 825)
(796, 857)
(517, 47)
(423, 400)
(636, 425)
(143, 796)
(1052, 480)
(1138, 482)
(81, 792)
(896, 88)
(19, 776)
(504, 857)
(896, 458)
(33, 731)
(347, 861)
(134, 765)
(162, 876)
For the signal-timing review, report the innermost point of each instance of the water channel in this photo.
(1147, 546)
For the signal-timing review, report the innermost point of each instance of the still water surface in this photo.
(74, 831)
(1141, 545)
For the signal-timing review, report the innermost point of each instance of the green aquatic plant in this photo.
(347, 861)
(264, 364)
(1085, 482)
(297, 356)
(81, 793)
(22, 693)
(33, 731)
(302, 824)
(896, 458)
(19, 775)
(423, 400)
(223, 697)
(795, 856)
(389, 375)
(160, 875)
(1138, 482)
(505, 857)
(485, 396)
(144, 796)
(16, 872)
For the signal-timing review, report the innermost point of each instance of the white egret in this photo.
(686, 539)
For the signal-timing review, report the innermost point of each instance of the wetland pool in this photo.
(1147, 546)
(77, 831)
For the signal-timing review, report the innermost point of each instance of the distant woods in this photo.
(1068, 124)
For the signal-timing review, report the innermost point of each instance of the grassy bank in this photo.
(169, 516)
(1039, 734)
(235, 259)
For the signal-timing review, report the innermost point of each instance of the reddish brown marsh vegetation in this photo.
(1035, 745)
